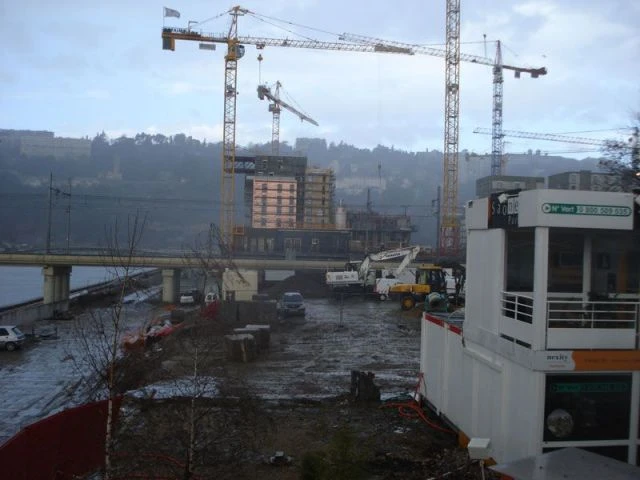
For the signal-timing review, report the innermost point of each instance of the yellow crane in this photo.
(275, 107)
(449, 225)
(235, 51)
(449, 229)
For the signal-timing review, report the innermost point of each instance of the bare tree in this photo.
(210, 255)
(623, 158)
(99, 336)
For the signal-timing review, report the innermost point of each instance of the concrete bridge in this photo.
(57, 268)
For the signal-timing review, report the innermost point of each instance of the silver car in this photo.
(291, 303)
(11, 337)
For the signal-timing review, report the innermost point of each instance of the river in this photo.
(21, 284)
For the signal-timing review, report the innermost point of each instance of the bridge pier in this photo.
(170, 285)
(56, 284)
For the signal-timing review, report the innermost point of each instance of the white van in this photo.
(11, 337)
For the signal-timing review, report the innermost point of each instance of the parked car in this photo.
(11, 337)
(291, 303)
(191, 297)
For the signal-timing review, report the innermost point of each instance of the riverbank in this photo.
(25, 315)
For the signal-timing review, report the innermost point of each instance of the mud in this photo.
(298, 390)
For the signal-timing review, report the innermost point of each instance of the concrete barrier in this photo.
(24, 317)
(242, 313)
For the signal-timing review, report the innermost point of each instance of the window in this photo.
(3, 332)
(279, 200)
(263, 222)
(278, 223)
(290, 223)
(264, 199)
(264, 187)
(279, 187)
(279, 210)
(292, 187)
(263, 209)
(292, 200)
(292, 210)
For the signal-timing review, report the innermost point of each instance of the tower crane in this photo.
(275, 108)
(552, 137)
(449, 228)
(235, 50)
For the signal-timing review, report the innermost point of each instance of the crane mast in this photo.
(497, 147)
(449, 228)
(275, 123)
(276, 107)
(234, 52)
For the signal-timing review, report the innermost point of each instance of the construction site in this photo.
(507, 341)
(449, 230)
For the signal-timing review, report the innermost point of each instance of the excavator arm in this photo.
(408, 253)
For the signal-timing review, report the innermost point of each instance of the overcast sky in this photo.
(81, 67)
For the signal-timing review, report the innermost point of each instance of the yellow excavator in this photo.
(430, 279)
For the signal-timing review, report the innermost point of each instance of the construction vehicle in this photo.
(400, 274)
(430, 278)
(358, 277)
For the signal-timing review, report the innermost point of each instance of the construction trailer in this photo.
(546, 353)
(239, 285)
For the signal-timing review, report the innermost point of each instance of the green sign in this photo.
(579, 209)
(600, 387)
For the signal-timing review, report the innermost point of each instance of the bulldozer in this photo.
(430, 279)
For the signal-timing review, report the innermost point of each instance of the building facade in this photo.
(372, 231)
(32, 143)
(586, 180)
(319, 187)
(274, 202)
(485, 186)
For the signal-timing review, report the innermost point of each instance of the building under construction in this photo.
(291, 212)
(372, 231)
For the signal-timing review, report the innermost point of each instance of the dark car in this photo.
(291, 303)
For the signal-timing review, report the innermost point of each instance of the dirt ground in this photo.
(294, 398)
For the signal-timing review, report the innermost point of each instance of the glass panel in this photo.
(565, 261)
(520, 245)
(617, 453)
(587, 407)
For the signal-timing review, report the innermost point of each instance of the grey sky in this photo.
(78, 68)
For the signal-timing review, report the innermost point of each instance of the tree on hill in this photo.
(623, 158)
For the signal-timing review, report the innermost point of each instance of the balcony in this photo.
(571, 322)
(604, 323)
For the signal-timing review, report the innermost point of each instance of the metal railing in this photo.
(574, 313)
(517, 306)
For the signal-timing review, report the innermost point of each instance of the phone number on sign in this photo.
(602, 210)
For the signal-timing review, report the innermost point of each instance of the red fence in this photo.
(58, 447)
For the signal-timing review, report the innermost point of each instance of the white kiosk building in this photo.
(546, 354)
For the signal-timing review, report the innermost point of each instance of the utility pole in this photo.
(435, 208)
(635, 151)
(48, 246)
(69, 218)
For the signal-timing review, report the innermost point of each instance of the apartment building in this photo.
(274, 202)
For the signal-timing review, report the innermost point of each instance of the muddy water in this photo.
(44, 377)
(313, 357)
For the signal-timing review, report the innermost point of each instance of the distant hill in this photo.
(175, 181)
